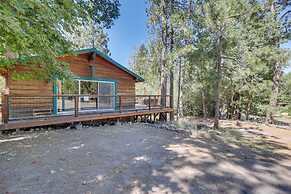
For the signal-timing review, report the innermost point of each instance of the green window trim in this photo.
(95, 79)
(55, 89)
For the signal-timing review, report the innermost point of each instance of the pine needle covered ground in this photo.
(139, 158)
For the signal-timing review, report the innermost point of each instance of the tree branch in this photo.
(289, 11)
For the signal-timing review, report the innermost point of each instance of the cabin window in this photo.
(87, 87)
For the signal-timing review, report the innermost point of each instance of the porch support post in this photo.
(120, 104)
(149, 102)
(63, 103)
(55, 91)
(5, 108)
(76, 106)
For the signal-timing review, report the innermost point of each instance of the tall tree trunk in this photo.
(237, 105)
(180, 90)
(229, 106)
(163, 56)
(277, 72)
(274, 95)
(249, 105)
(229, 100)
(163, 84)
(172, 114)
(238, 109)
(203, 104)
(172, 68)
(218, 81)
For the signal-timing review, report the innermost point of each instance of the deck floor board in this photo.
(61, 119)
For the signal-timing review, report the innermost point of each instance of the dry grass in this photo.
(256, 136)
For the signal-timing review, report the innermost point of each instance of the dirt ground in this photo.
(139, 158)
(273, 137)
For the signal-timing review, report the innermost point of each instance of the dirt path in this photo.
(136, 159)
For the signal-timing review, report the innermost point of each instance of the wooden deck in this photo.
(81, 118)
(151, 111)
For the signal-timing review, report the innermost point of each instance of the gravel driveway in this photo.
(135, 159)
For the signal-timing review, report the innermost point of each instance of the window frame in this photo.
(79, 79)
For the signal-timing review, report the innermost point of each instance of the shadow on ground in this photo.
(249, 138)
(138, 159)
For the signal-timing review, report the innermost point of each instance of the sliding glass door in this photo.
(87, 87)
(88, 103)
(106, 102)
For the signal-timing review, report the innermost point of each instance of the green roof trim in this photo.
(138, 77)
(94, 50)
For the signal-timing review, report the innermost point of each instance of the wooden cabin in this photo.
(101, 86)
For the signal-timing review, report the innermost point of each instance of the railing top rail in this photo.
(82, 95)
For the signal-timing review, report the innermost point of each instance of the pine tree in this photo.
(91, 36)
(37, 30)
(227, 52)
(221, 18)
(101, 41)
(280, 31)
(143, 64)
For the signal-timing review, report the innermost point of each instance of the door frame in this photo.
(114, 93)
(55, 90)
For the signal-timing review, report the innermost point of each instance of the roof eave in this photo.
(106, 57)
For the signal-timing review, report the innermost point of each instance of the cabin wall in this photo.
(20, 107)
(105, 70)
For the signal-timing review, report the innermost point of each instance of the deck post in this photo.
(63, 103)
(149, 102)
(120, 104)
(2, 107)
(76, 105)
(5, 108)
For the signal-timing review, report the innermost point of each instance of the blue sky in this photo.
(130, 30)
(287, 45)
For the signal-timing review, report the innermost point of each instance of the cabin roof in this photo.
(137, 77)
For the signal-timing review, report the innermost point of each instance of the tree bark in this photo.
(229, 105)
(172, 68)
(218, 82)
(172, 114)
(249, 106)
(237, 105)
(274, 95)
(180, 90)
(163, 57)
(203, 104)
(277, 73)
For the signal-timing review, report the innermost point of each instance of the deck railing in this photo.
(16, 107)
